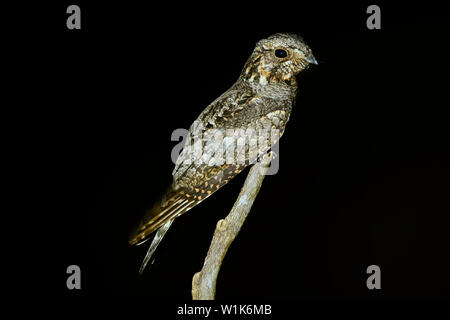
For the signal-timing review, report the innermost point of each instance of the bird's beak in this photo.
(312, 60)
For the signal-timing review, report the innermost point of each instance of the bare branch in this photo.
(204, 282)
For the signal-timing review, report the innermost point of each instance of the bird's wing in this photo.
(196, 178)
(194, 182)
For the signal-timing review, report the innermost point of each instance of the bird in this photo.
(261, 100)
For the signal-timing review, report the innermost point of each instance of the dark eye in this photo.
(280, 53)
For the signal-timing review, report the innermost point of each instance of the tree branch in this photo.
(204, 282)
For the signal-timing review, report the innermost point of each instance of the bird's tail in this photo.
(160, 218)
(155, 242)
(173, 204)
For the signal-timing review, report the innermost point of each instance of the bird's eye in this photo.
(280, 53)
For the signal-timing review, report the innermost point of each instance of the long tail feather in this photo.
(155, 242)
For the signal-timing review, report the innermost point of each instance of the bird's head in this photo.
(278, 58)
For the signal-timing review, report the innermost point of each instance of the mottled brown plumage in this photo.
(261, 100)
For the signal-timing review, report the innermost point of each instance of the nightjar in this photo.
(259, 101)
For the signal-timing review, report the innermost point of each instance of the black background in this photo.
(363, 173)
